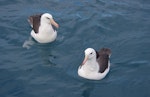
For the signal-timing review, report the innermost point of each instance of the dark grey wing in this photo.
(35, 22)
(103, 59)
(30, 20)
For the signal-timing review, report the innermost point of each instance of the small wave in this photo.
(60, 38)
(28, 43)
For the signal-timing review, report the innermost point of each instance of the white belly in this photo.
(44, 35)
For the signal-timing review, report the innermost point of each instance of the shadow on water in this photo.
(46, 55)
(87, 89)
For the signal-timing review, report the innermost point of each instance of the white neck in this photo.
(45, 25)
(91, 65)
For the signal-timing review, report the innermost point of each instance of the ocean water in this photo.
(50, 70)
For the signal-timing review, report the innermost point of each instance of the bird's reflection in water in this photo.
(46, 55)
(87, 89)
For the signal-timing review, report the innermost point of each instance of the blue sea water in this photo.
(50, 70)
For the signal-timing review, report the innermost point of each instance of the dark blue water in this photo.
(50, 70)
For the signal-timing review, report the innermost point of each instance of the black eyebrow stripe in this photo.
(47, 17)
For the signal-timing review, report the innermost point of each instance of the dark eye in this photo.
(91, 53)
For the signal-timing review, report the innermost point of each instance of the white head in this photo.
(47, 18)
(90, 54)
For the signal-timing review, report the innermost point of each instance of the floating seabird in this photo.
(42, 30)
(95, 65)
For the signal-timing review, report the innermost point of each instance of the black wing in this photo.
(35, 22)
(103, 59)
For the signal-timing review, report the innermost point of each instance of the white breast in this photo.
(91, 71)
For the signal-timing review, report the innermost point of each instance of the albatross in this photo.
(96, 64)
(42, 30)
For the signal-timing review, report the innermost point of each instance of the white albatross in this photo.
(95, 65)
(42, 30)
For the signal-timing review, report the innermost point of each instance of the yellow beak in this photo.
(54, 23)
(85, 59)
